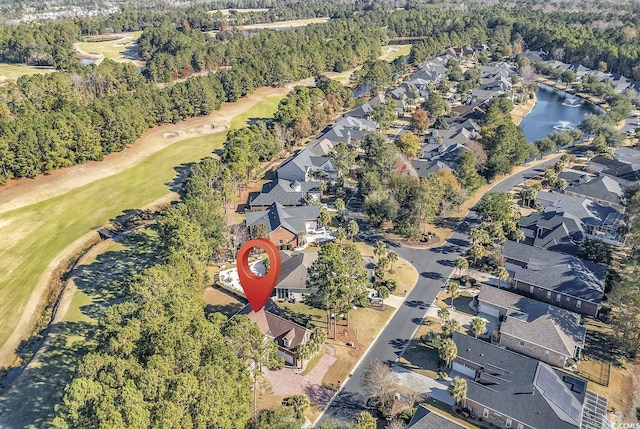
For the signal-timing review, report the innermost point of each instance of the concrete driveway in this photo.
(436, 389)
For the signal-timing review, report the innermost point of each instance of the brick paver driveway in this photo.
(286, 382)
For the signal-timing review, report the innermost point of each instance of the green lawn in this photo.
(34, 235)
(11, 72)
(120, 50)
(391, 52)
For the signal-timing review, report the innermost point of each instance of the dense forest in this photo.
(49, 122)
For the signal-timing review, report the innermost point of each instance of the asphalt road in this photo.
(435, 265)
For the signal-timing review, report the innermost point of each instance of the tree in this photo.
(495, 207)
(341, 235)
(477, 252)
(364, 420)
(478, 325)
(450, 326)
(352, 229)
(396, 423)
(503, 274)
(392, 257)
(259, 230)
(443, 314)
(377, 382)
(303, 352)
(276, 418)
(594, 250)
(325, 218)
(409, 144)
(383, 293)
(248, 342)
(299, 403)
(467, 173)
(458, 390)
(420, 122)
(461, 264)
(448, 351)
(380, 250)
(340, 206)
(454, 290)
(434, 104)
(339, 279)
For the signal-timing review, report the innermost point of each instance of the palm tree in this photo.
(480, 236)
(478, 325)
(443, 314)
(392, 257)
(448, 351)
(319, 337)
(458, 390)
(462, 264)
(454, 290)
(476, 251)
(380, 250)
(518, 235)
(383, 292)
(341, 235)
(352, 229)
(303, 352)
(449, 327)
(503, 274)
(302, 235)
(340, 206)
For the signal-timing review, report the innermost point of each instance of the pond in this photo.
(553, 112)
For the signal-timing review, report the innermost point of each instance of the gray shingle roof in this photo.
(558, 272)
(425, 168)
(293, 269)
(603, 188)
(536, 322)
(425, 418)
(349, 127)
(520, 387)
(581, 209)
(276, 215)
(557, 232)
(284, 192)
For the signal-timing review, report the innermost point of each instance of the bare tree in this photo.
(378, 381)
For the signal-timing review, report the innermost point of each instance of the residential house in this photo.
(533, 328)
(508, 390)
(533, 56)
(623, 172)
(348, 129)
(425, 418)
(287, 193)
(503, 70)
(602, 189)
(304, 165)
(499, 83)
(284, 224)
(628, 155)
(365, 110)
(291, 284)
(562, 280)
(551, 230)
(480, 97)
(423, 168)
(619, 82)
(594, 220)
(274, 325)
(454, 135)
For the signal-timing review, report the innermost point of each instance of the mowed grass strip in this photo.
(120, 50)
(33, 236)
(391, 52)
(11, 72)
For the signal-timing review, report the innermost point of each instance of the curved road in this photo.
(435, 265)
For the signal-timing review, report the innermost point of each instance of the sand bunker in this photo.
(170, 135)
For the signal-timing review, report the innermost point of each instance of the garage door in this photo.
(489, 310)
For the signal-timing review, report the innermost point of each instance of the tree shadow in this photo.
(432, 275)
(252, 121)
(183, 171)
(32, 398)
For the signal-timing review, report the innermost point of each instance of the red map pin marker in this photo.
(258, 289)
